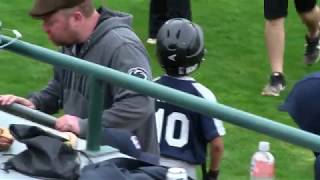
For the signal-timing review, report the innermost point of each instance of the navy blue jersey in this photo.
(184, 134)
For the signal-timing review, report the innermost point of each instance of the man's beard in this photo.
(61, 42)
(68, 40)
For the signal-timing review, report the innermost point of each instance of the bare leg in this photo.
(311, 20)
(275, 42)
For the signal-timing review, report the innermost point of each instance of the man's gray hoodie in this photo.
(112, 44)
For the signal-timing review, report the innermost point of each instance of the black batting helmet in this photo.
(180, 46)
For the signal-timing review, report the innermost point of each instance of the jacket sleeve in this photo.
(48, 99)
(128, 109)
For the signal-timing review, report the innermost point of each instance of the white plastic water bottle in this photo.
(177, 174)
(262, 163)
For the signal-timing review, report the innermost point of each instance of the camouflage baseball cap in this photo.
(45, 7)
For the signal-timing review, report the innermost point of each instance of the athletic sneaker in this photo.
(312, 51)
(275, 86)
(152, 41)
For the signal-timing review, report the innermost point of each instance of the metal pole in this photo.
(33, 115)
(95, 108)
(234, 116)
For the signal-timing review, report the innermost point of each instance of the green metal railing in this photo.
(99, 73)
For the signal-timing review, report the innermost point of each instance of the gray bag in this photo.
(46, 156)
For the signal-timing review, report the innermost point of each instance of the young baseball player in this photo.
(183, 134)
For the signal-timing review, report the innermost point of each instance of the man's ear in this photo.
(77, 16)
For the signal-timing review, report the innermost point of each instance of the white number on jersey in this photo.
(172, 120)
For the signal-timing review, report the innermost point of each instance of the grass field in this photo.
(235, 69)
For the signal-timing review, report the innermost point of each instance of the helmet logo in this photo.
(172, 57)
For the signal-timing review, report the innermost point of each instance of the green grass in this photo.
(235, 69)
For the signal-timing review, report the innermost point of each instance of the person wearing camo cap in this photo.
(100, 36)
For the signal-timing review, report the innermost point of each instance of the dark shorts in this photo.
(274, 9)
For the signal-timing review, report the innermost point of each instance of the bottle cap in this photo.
(177, 174)
(264, 146)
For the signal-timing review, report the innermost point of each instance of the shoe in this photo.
(312, 51)
(152, 41)
(275, 86)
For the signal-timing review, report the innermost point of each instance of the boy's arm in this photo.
(216, 153)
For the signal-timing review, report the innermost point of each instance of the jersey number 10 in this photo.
(172, 120)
